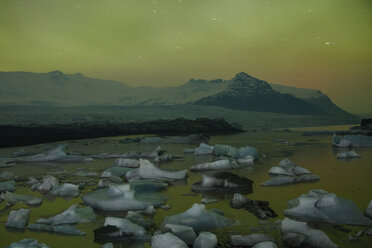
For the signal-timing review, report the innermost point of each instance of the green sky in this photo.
(321, 44)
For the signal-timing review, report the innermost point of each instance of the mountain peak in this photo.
(242, 76)
(244, 81)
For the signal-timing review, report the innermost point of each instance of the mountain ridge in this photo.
(243, 92)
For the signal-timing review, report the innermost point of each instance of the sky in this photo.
(319, 44)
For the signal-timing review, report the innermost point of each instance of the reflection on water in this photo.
(346, 178)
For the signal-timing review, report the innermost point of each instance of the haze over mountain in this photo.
(243, 92)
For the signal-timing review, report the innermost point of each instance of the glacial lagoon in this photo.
(347, 178)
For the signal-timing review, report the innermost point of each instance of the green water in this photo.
(348, 179)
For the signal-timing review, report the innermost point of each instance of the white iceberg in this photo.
(72, 215)
(199, 219)
(118, 228)
(55, 155)
(288, 172)
(167, 240)
(122, 198)
(348, 154)
(204, 149)
(65, 190)
(223, 164)
(205, 240)
(149, 171)
(127, 162)
(321, 206)
(18, 218)
(27, 243)
(311, 237)
(14, 198)
(352, 141)
(185, 233)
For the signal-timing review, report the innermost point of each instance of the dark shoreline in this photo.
(11, 135)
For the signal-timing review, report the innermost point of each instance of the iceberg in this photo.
(352, 141)
(127, 162)
(167, 240)
(7, 186)
(115, 171)
(56, 155)
(321, 206)
(148, 171)
(60, 229)
(72, 215)
(205, 240)
(49, 182)
(13, 198)
(18, 218)
(233, 152)
(185, 233)
(288, 172)
(250, 239)
(139, 220)
(199, 219)
(118, 228)
(66, 190)
(122, 198)
(348, 154)
(305, 235)
(27, 243)
(223, 182)
(223, 164)
(204, 149)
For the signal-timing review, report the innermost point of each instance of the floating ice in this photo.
(185, 233)
(321, 206)
(223, 182)
(205, 240)
(167, 240)
(55, 154)
(121, 198)
(7, 186)
(27, 243)
(28, 199)
(250, 239)
(61, 229)
(199, 219)
(6, 175)
(236, 153)
(223, 164)
(348, 154)
(352, 141)
(127, 162)
(49, 182)
(119, 228)
(148, 171)
(72, 215)
(139, 220)
(266, 244)
(288, 172)
(66, 189)
(115, 171)
(308, 236)
(18, 218)
(204, 149)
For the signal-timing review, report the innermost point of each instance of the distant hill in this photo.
(243, 92)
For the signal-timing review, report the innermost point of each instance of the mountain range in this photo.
(243, 92)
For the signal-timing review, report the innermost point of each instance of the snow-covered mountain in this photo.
(243, 92)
